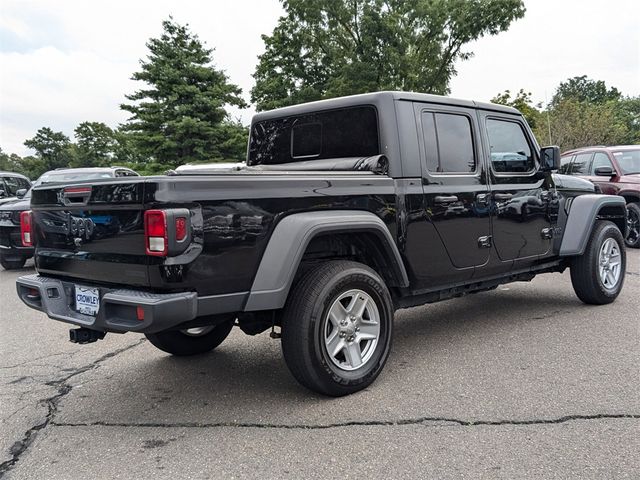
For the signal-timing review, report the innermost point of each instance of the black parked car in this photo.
(13, 187)
(14, 250)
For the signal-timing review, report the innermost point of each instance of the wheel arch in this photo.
(630, 196)
(292, 238)
(582, 216)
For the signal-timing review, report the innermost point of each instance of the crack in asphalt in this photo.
(552, 314)
(376, 423)
(63, 388)
(27, 362)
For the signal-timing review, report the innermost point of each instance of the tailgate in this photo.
(92, 231)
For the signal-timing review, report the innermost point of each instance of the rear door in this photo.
(521, 196)
(455, 189)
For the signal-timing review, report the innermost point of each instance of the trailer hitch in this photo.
(85, 335)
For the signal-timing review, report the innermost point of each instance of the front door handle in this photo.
(445, 199)
(502, 196)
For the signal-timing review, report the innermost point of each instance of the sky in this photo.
(69, 61)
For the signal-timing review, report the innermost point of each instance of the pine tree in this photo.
(180, 115)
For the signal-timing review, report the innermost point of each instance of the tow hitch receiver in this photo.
(85, 335)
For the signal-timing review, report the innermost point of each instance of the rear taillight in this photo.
(181, 228)
(26, 232)
(155, 233)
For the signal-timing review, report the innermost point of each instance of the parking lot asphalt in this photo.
(521, 382)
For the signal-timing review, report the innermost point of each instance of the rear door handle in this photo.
(502, 196)
(445, 199)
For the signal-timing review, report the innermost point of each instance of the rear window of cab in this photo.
(347, 132)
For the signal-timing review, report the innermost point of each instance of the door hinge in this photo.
(484, 242)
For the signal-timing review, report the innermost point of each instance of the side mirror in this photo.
(20, 193)
(604, 171)
(549, 158)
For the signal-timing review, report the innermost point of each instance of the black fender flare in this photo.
(289, 241)
(584, 211)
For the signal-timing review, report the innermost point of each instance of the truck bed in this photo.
(99, 236)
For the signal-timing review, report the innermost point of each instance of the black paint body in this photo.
(233, 214)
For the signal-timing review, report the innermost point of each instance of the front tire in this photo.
(597, 275)
(337, 328)
(192, 341)
(14, 264)
(633, 225)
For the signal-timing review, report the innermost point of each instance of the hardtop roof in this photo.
(376, 99)
(87, 169)
(13, 174)
(601, 147)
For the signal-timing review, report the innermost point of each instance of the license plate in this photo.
(87, 300)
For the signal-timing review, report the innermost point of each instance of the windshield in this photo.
(628, 160)
(54, 177)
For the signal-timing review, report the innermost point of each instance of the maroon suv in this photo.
(616, 170)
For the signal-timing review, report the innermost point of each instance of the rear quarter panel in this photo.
(240, 212)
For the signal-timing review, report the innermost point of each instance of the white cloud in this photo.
(50, 87)
(556, 40)
(65, 62)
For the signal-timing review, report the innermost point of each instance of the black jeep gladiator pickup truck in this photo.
(346, 210)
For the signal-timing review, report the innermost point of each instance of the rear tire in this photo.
(598, 274)
(337, 328)
(632, 239)
(12, 264)
(193, 341)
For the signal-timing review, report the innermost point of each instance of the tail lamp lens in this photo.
(155, 232)
(181, 228)
(25, 228)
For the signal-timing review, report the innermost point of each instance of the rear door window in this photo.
(347, 132)
(449, 143)
(22, 183)
(509, 149)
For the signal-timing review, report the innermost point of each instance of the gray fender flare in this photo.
(289, 241)
(582, 217)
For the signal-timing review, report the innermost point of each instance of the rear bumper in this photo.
(118, 310)
(11, 244)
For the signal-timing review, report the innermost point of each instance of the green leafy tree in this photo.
(327, 48)
(54, 149)
(523, 102)
(95, 145)
(579, 124)
(179, 116)
(587, 112)
(30, 166)
(10, 162)
(583, 89)
(629, 114)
